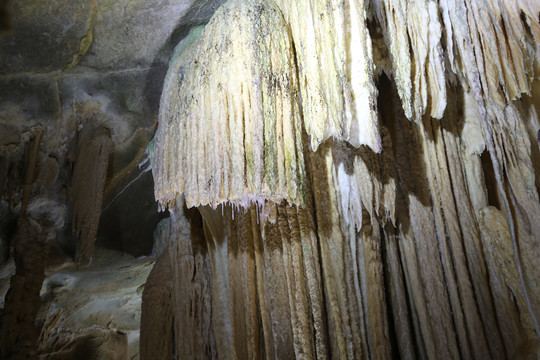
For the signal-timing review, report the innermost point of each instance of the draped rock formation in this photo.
(423, 244)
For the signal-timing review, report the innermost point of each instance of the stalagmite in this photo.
(360, 198)
(89, 174)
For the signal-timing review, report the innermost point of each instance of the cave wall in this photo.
(66, 66)
(80, 83)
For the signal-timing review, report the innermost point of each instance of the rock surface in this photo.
(93, 312)
(66, 67)
(425, 248)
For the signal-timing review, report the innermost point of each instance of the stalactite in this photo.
(493, 84)
(230, 128)
(335, 69)
(422, 243)
(366, 181)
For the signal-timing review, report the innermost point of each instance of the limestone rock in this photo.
(93, 311)
(35, 45)
(237, 90)
(147, 29)
(335, 70)
(89, 174)
(404, 230)
(362, 179)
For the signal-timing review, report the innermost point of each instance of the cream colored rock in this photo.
(335, 69)
(407, 227)
(298, 241)
(230, 120)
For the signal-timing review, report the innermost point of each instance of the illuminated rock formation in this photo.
(336, 178)
(423, 245)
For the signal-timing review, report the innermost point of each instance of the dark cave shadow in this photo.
(129, 213)
(401, 147)
(411, 170)
(198, 240)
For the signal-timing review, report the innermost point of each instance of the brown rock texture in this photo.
(423, 245)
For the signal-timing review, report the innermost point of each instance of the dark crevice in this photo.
(388, 303)
(173, 340)
(490, 180)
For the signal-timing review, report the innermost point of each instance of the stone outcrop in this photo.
(95, 312)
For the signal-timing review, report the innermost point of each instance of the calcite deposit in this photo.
(270, 179)
(422, 244)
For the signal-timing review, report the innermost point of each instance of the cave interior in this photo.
(269, 179)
